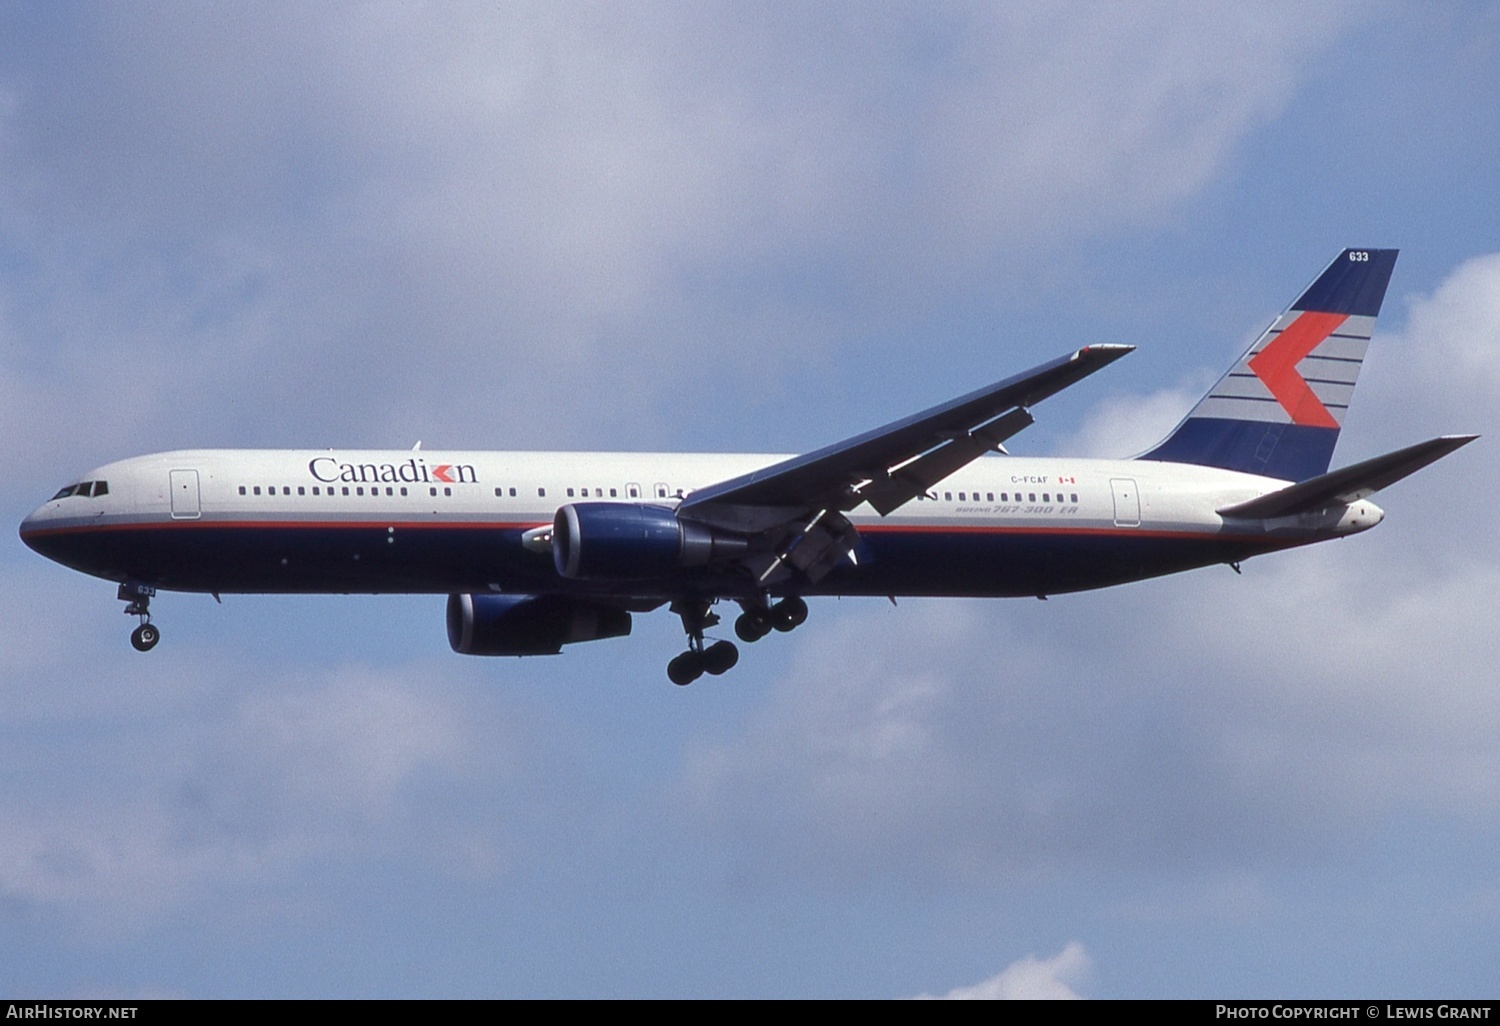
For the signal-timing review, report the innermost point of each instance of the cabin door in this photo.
(185, 495)
(1127, 502)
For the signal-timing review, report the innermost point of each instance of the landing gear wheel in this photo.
(719, 657)
(789, 613)
(751, 627)
(145, 637)
(685, 669)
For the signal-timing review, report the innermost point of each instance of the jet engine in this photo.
(518, 625)
(625, 540)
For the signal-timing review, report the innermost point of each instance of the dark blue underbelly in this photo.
(323, 558)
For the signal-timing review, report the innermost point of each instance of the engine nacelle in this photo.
(517, 625)
(630, 541)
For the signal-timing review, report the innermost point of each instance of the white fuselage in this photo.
(419, 521)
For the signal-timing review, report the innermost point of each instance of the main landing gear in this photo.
(757, 620)
(138, 597)
(699, 659)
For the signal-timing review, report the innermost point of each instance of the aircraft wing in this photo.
(1354, 482)
(891, 465)
(793, 511)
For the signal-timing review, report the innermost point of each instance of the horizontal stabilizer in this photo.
(1350, 484)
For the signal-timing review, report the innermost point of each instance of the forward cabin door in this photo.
(185, 495)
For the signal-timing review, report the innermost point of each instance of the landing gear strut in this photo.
(138, 599)
(699, 658)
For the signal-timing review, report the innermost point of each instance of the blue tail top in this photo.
(1278, 410)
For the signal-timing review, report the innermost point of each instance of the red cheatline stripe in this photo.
(1276, 365)
(1103, 532)
(291, 525)
(377, 525)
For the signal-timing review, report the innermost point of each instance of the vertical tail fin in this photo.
(1279, 409)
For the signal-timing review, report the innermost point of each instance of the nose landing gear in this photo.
(138, 599)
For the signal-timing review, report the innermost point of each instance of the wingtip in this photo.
(1109, 350)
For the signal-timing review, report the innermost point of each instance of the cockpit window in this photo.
(83, 489)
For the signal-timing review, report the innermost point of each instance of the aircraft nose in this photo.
(40, 531)
(30, 525)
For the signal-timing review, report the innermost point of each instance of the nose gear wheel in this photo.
(138, 599)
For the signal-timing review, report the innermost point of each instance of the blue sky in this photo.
(765, 227)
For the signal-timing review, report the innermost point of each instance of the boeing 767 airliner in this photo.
(537, 550)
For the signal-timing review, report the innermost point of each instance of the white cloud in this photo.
(1439, 372)
(1456, 331)
(199, 780)
(1208, 723)
(1123, 426)
(526, 216)
(1031, 979)
(1206, 720)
